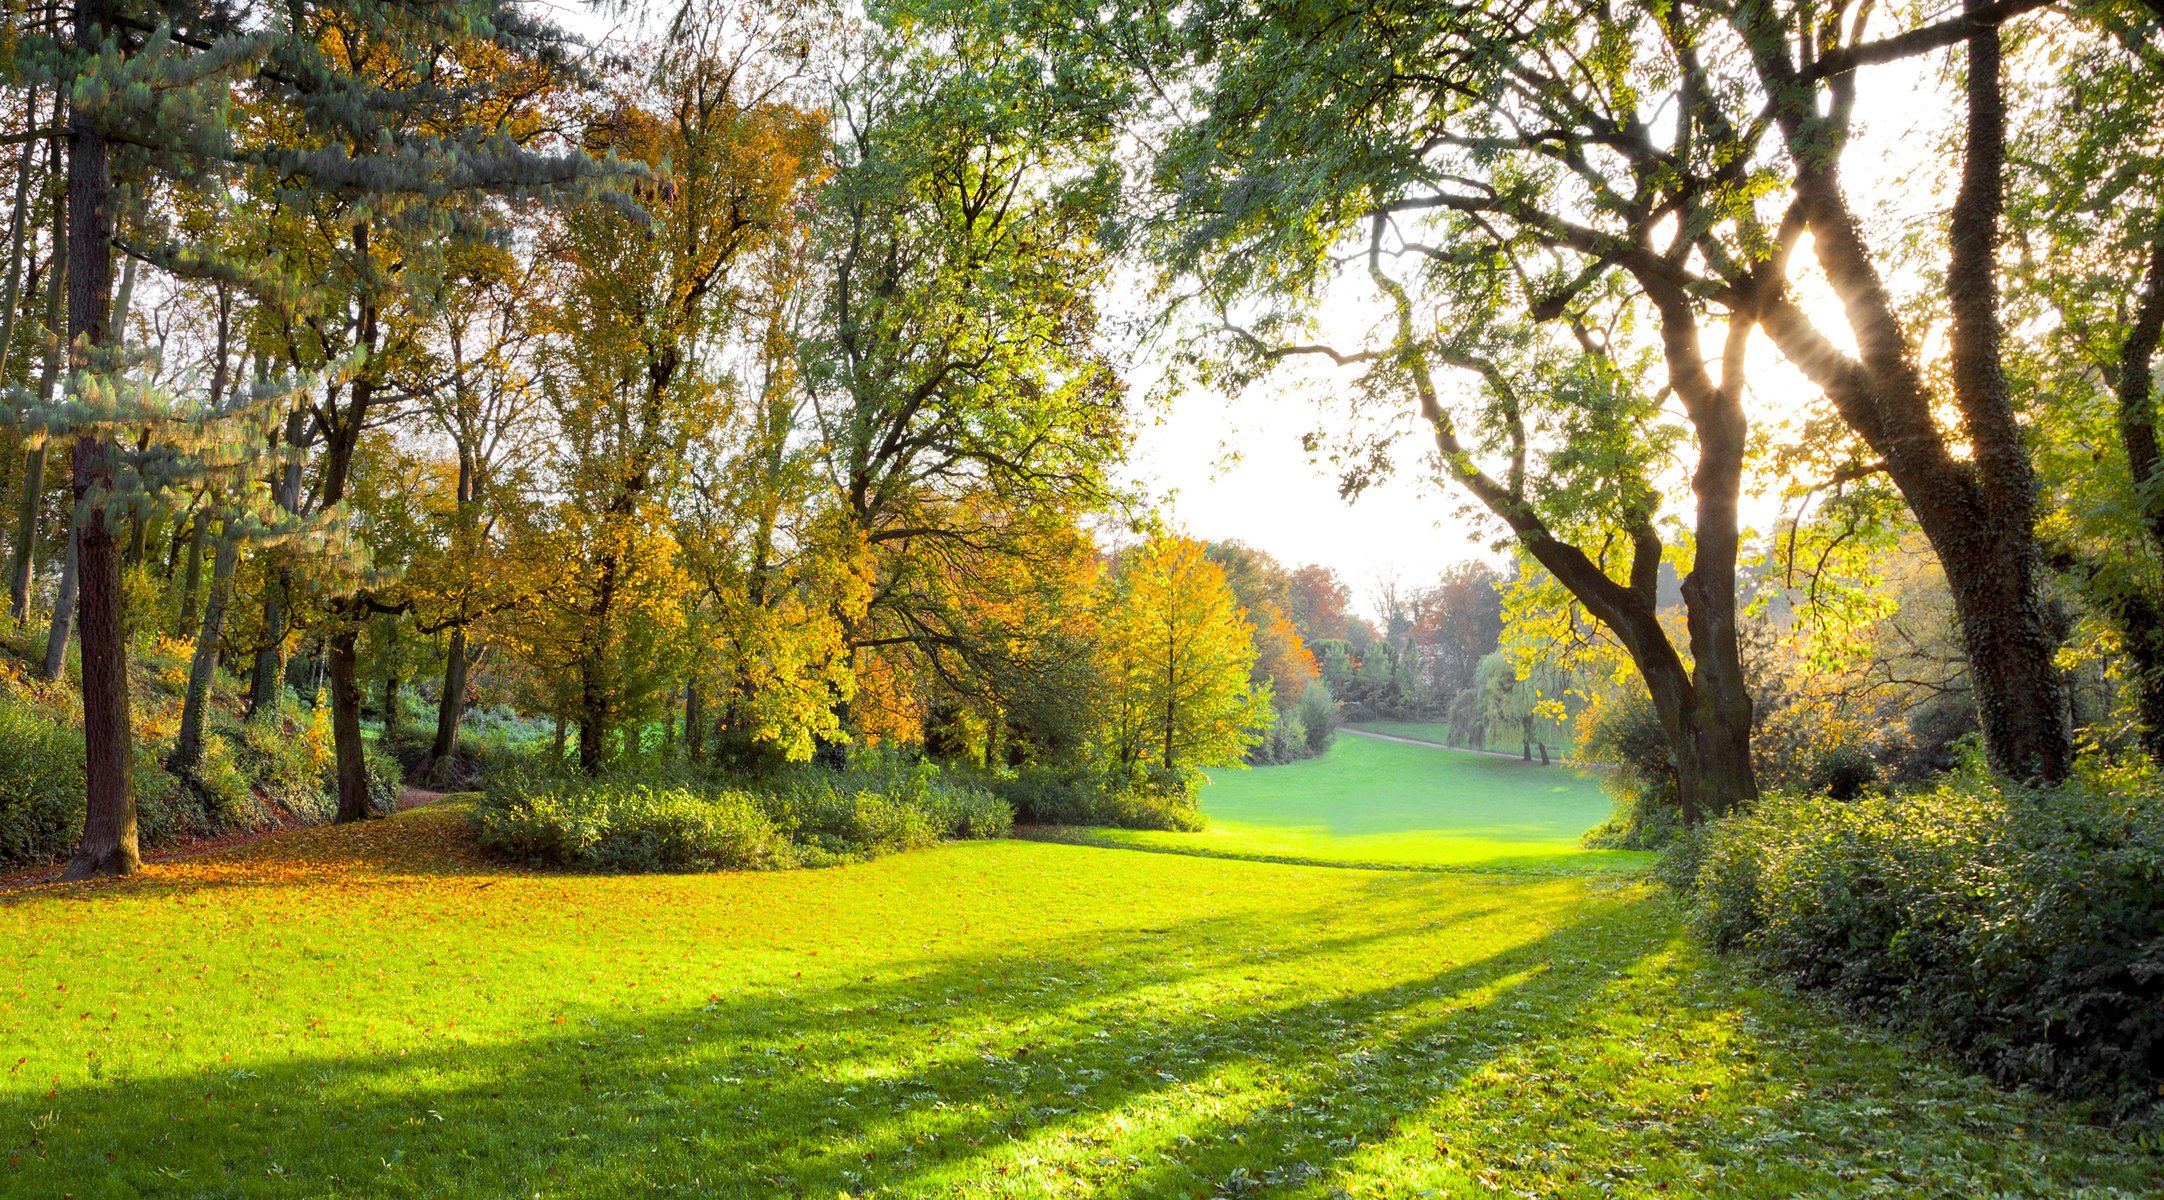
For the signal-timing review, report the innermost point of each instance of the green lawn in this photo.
(1439, 733)
(1382, 803)
(373, 1011)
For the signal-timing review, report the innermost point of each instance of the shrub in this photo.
(41, 782)
(1319, 716)
(1625, 734)
(1046, 795)
(670, 820)
(628, 827)
(386, 778)
(2023, 929)
(291, 769)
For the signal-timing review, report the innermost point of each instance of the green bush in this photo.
(292, 767)
(41, 783)
(628, 827)
(670, 820)
(1626, 735)
(1047, 795)
(2023, 929)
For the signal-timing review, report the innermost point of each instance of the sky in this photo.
(1236, 469)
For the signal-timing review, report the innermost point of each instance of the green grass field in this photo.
(1379, 803)
(1439, 733)
(374, 1011)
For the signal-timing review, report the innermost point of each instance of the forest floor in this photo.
(376, 1010)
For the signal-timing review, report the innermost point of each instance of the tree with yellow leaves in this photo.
(1178, 652)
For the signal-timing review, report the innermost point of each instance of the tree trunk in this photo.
(63, 622)
(267, 681)
(203, 668)
(593, 721)
(694, 723)
(1977, 509)
(346, 723)
(26, 534)
(191, 577)
(390, 706)
(18, 232)
(451, 708)
(26, 526)
(559, 738)
(108, 846)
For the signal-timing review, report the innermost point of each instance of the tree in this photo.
(1458, 621)
(1179, 652)
(1317, 603)
(966, 418)
(158, 84)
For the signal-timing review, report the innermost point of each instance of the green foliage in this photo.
(1626, 735)
(2021, 928)
(800, 816)
(1051, 795)
(629, 827)
(1319, 717)
(41, 782)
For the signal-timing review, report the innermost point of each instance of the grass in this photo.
(375, 1011)
(1376, 803)
(1439, 733)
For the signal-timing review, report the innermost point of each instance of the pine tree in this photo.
(380, 120)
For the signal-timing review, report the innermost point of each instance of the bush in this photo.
(1046, 795)
(628, 827)
(292, 768)
(41, 782)
(1319, 716)
(386, 778)
(670, 820)
(1626, 735)
(2023, 929)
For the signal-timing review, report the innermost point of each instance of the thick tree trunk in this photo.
(108, 846)
(63, 622)
(267, 682)
(1977, 510)
(2140, 612)
(592, 723)
(203, 668)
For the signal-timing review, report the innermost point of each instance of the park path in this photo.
(1411, 741)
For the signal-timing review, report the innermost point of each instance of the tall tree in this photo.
(1180, 655)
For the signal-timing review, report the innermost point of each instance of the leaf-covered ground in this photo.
(374, 1011)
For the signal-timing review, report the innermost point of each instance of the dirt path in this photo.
(1392, 737)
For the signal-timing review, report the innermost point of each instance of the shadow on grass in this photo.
(1086, 1057)
(1562, 865)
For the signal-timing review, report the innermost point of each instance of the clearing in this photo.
(1370, 802)
(374, 1011)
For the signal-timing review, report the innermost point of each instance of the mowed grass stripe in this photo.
(1371, 802)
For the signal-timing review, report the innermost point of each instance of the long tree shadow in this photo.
(1293, 1049)
(1009, 1071)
